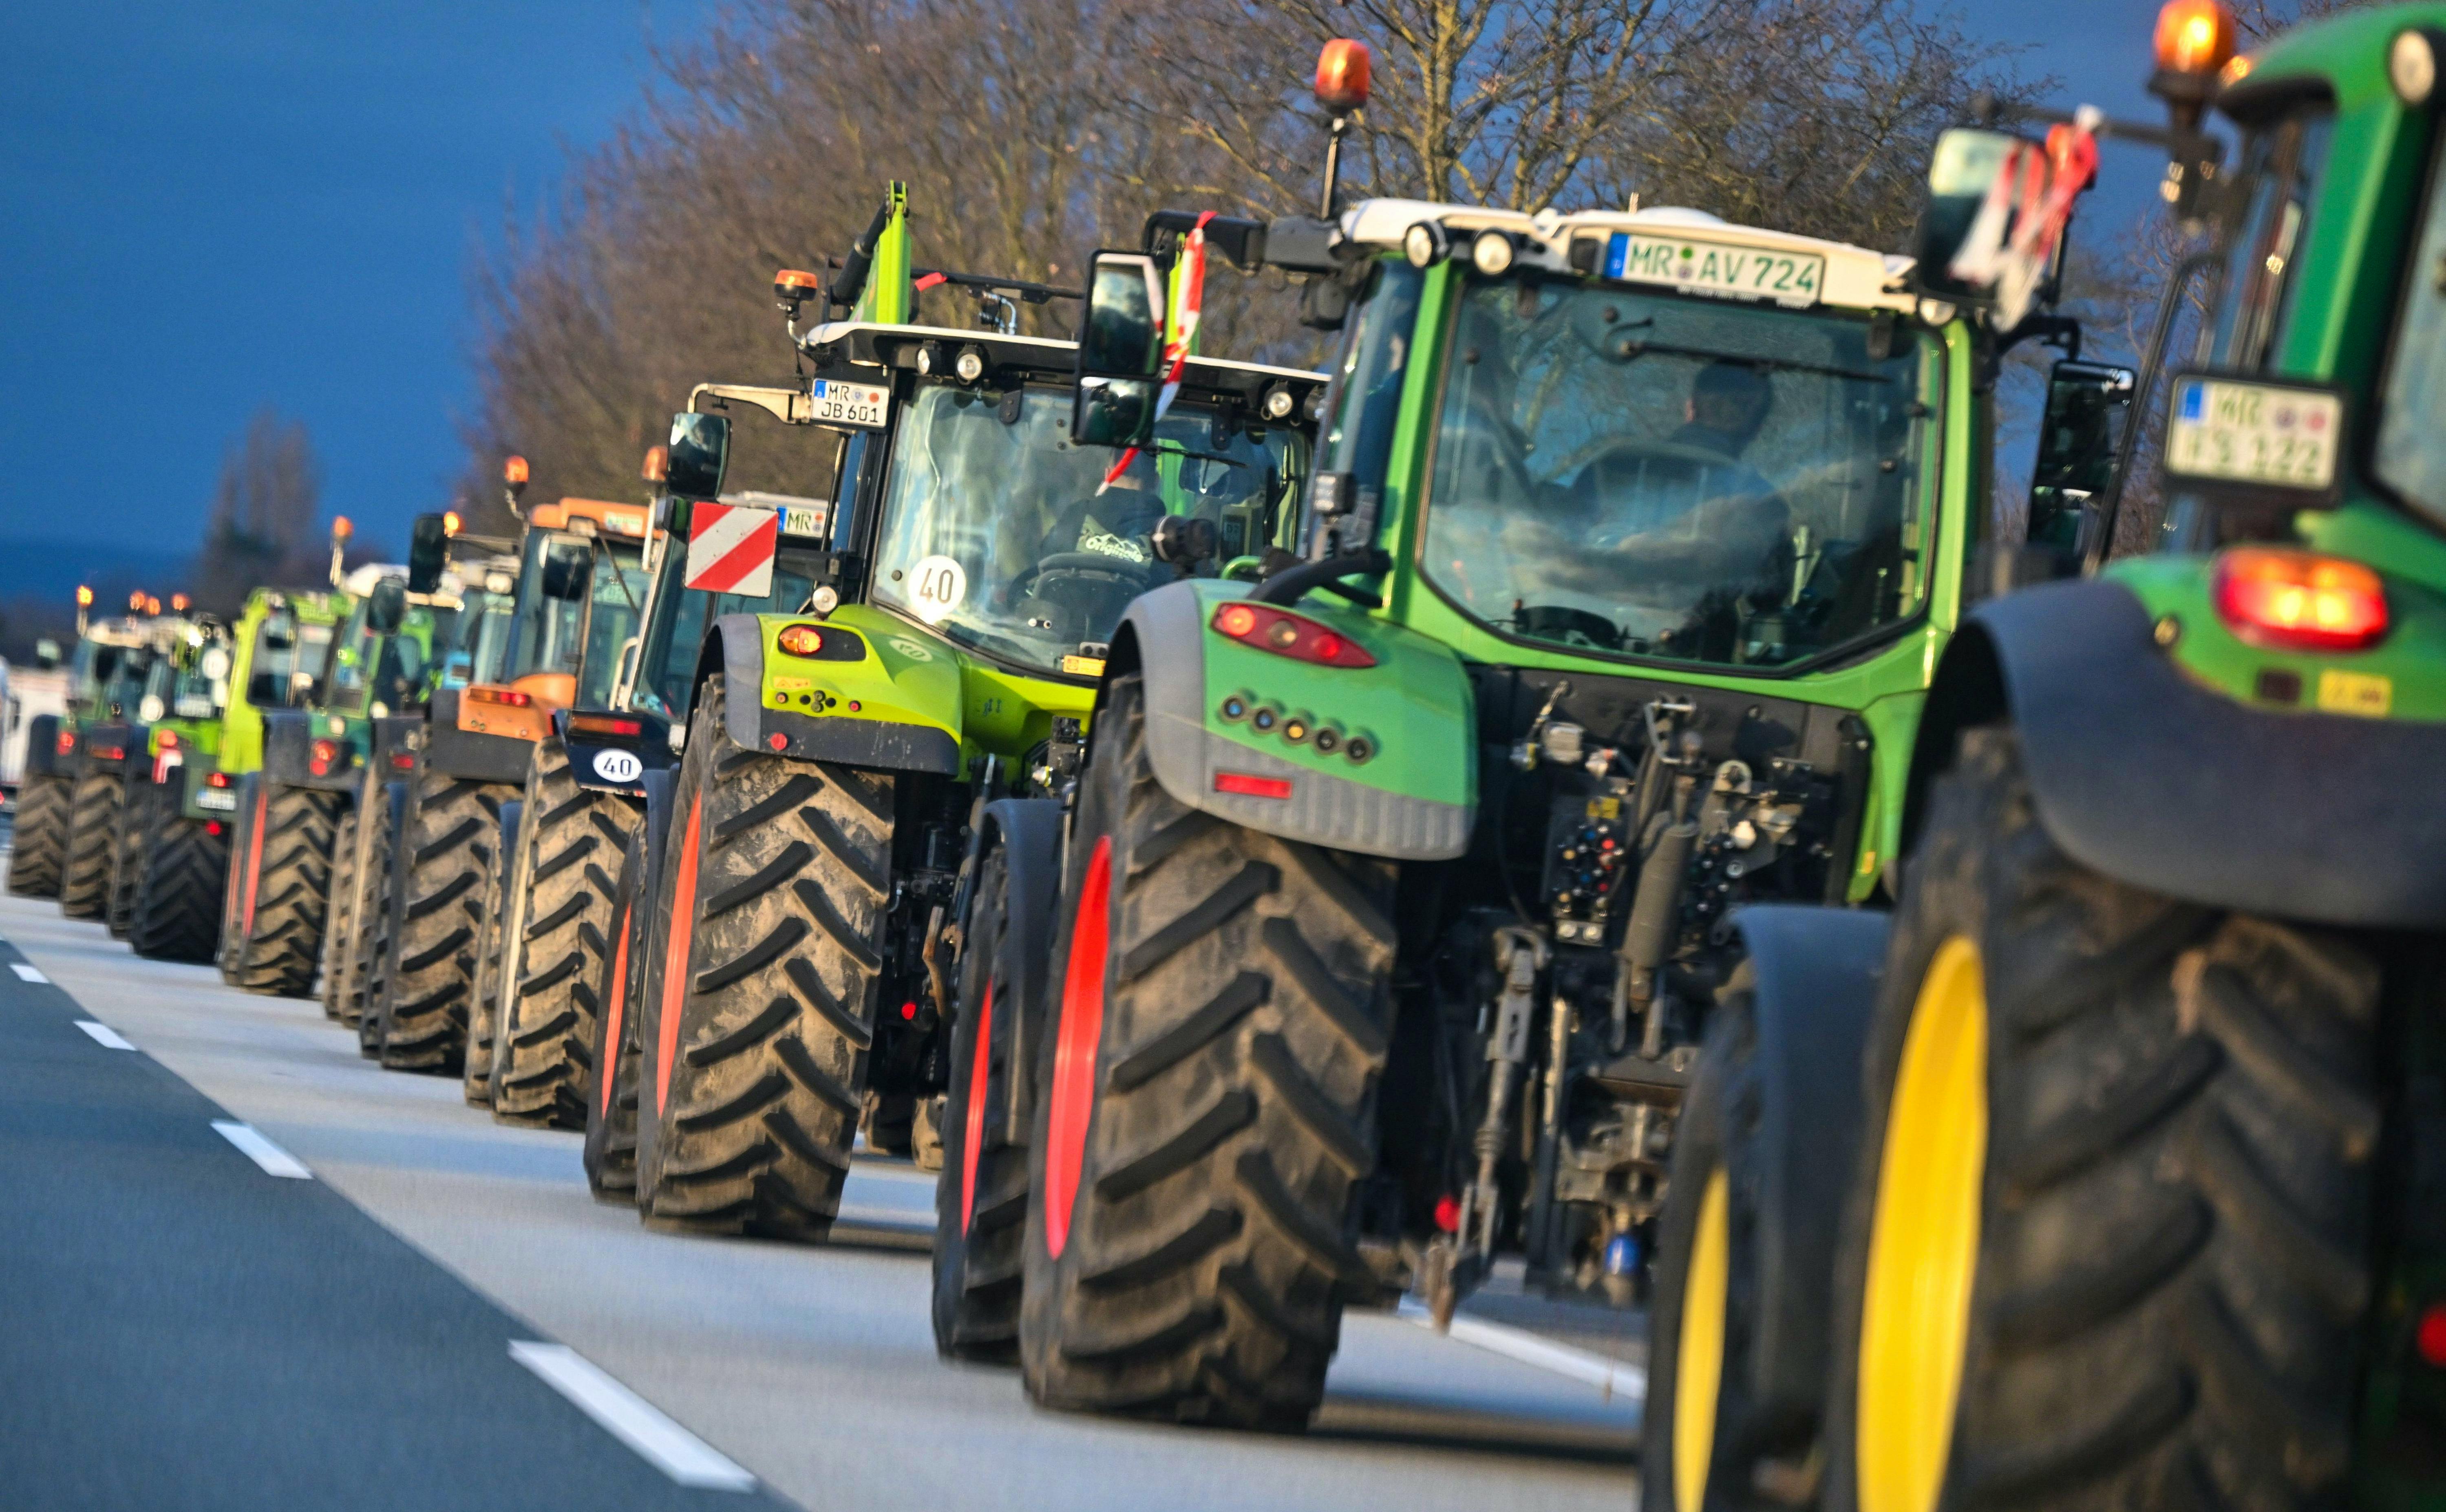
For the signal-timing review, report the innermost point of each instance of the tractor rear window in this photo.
(2409, 455)
(1679, 479)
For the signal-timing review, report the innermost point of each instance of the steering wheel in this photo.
(1085, 567)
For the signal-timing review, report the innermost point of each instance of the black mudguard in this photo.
(96, 744)
(1029, 833)
(615, 763)
(42, 747)
(1817, 973)
(2145, 775)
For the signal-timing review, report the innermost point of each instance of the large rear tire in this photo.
(377, 921)
(981, 1199)
(2109, 1242)
(610, 1154)
(92, 844)
(774, 909)
(280, 942)
(430, 973)
(39, 845)
(1208, 1107)
(485, 1005)
(339, 931)
(128, 855)
(178, 909)
(571, 841)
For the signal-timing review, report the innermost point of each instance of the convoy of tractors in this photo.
(1587, 784)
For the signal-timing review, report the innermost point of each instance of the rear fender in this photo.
(879, 695)
(1029, 833)
(42, 747)
(1816, 975)
(1413, 799)
(457, 751)
(609, 761)
(2143, 774)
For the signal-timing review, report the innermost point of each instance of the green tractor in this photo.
(293, 806)
(174, 850)
(2145, 1193)
(792, 976)
(282, 644)
(1380, 935)
(76, 766)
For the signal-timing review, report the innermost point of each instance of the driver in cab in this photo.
(1705, 517)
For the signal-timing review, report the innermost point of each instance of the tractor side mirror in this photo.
(567, 571)
(387, 607)
(2080, 434)
(1962, 171)
(428, 552)
(699, 455)
(1114, 411)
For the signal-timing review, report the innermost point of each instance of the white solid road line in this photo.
(27, 973)
(1612, 1376)
(631, 1418)
(103, 1035)
(274, 1160)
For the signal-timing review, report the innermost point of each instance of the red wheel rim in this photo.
(972, 1139)
(611, 1010)
(255, 860)
(1074, 1051)
(675, 960)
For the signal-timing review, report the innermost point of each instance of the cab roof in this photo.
(628, 520)
(870, 344)
(1856, 276)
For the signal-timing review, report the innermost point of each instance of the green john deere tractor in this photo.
(1380, 933)
(839, 759)
(2147, 1189)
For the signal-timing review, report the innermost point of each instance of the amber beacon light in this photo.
(1342, 76)
(2194, 36)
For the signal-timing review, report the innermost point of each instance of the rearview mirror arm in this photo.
(2153, 363)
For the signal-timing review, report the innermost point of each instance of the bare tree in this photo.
(264, 526)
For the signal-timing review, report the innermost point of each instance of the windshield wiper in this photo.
(1628, 349)
(1178, 450)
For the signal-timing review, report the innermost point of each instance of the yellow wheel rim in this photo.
(1699, 1365)
(1924, 1239)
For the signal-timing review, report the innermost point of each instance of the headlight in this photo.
(1278, 404)
(1423, 244)
(1491, 254)
(2411, 66)
(969, 364)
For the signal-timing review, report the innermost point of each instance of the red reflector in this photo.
(212, 827)
(2299, 599)
(1292, 635)
(909, 1010)
(778, 741)
(603, 724)
(218, 780)
(1250, 785)
(2430, 1336)
(1447, 1213)
(402, 762)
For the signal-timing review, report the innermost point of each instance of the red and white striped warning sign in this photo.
(732, 547)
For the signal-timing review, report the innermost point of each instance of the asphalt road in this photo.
(181, 1328)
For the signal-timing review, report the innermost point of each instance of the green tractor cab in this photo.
(173, 851)
(2140, 1193)
(1401, 886)
(839, 759)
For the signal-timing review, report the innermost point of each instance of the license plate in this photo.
(804, 520)
(2234, 432)
(1714, 267)
(221, 799)
(838, 403)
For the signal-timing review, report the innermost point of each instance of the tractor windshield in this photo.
(109, 680)
(573, 619)
(377, 675)
(479, 641)
(288, 660)
(675, 636)
(1678, 478)
(994, 534)
(184, 683)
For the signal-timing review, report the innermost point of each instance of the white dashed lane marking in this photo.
(631, 1418)
(274, 1160)
(27, 973)
(103, 1035)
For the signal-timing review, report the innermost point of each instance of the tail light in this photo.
(2428, 1335)
(800, 640)
(167, 740)
(402, 762)
(1250, 785)
(112, 753)
(66, 741)
(326, 754)
(1292, 635)
(606, 725)
(218, 779)
(2300, 600)
(510, 697)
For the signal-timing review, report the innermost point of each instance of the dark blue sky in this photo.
(212, 206)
